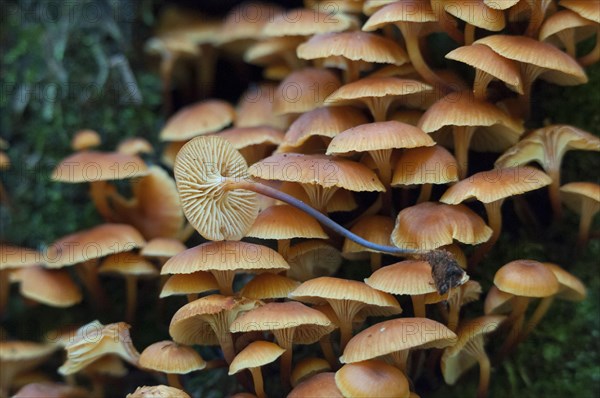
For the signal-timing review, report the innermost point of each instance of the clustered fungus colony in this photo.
(352, 120)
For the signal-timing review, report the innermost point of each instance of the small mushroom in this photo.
(172, 359)
(255, 355)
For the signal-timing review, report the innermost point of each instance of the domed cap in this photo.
(171, 358)
(526, 278)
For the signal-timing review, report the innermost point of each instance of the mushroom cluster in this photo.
(322, 229)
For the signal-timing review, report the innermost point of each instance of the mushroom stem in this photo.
(541, 310)
(418, 302)
(345, 333)
(554, 191)
(516, 318)
(99, 192)
(469, 34)
(131, 301)
(536, 18)
(323, 219)
(174, 381)
(257, 377)
(286, 367)
(226, 343)
(480, 84)
(379, 108)
(494, 215)
(567, 38)
(425, 193)
(409, 31)
(588, 209)
(206, 74)
(352, 72)
(484, 376)
(283, 247)
(4, 291)
(375, 261)
(225, 282)
(462, 138)
(325, 343)
(88, 273)
(166, 70)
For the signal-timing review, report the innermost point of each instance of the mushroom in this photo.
(130, 266)
(171, 358)
(562, 28)
(284, 223)
(304, 90)
(376, 229)
(254, 143)
(476, 14)
(536, 59)
(257, 354)
(588, 10)
(158, 392)
(424, 166)
(583, 198)
(11, 258)
(475, 125)
(469, 349)
(224, 259)
(18, 357)
(321, 385)
(308, 367)
(268, 287)
(312, 259)
(524, 279)
(51, 287)
(189, 284)
(488, 66)
(347, 298)
(83, 249)
(255, 108)
(395, 338)
(290, 322)
(410, 19)
(220, 202)
(353, 47)
(135, 146)
(95, 340)
(408, 277)
(272, 50)
(492, 188)
(319, 124)
(85, 139)
(207, 321)
(378, 94)
(547, 146)
(373, 379)
(306, 22)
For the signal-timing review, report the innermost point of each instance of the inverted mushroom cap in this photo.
(496, 184)
(458, 358)
(90, 166)
(285, 222)
(202, 118)
(355, 46)
(157, 392)
(526, 278)
(201, 169)
(431, 225)
(322, 170)
(373, 378)
(396, 335)
(93, 243)
(171, 358)
(95, 340)
(255, 355)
